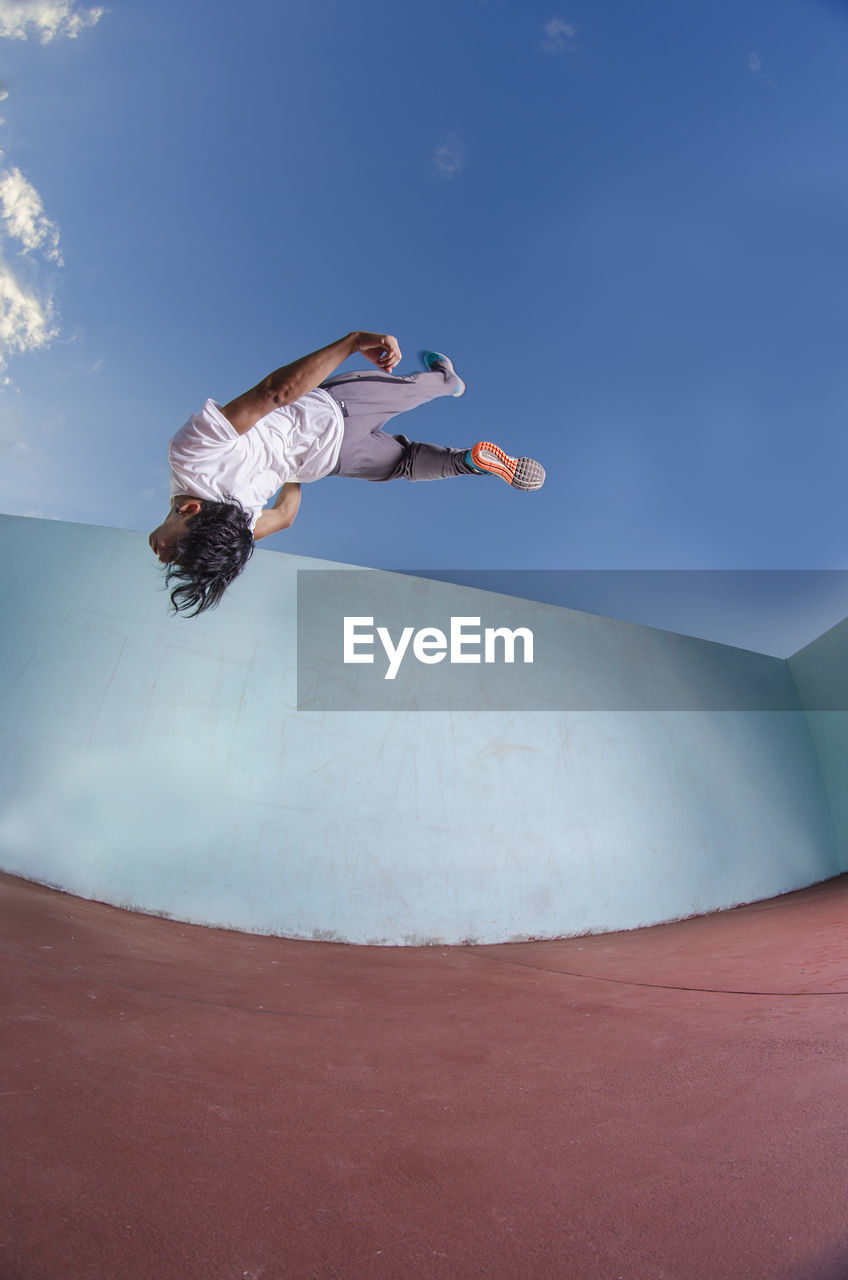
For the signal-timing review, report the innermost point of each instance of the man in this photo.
(295, 426)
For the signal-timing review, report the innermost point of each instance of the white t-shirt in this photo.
(298, 441)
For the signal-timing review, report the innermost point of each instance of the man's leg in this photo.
(368, 400)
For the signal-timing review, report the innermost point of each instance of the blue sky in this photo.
(628, 224)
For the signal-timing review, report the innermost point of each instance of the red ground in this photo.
(188, 1104)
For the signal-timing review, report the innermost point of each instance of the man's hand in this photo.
(381, 349)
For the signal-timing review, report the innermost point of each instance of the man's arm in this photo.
(282, 514)
(289, 383)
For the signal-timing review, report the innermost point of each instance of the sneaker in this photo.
(434, 360)
(521, 473)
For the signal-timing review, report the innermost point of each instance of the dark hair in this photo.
(209, 556)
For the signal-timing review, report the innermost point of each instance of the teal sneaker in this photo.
(435, 360)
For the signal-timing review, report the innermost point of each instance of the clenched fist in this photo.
(380, 348)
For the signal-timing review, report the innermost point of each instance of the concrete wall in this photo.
(820, 671)
(161, 764)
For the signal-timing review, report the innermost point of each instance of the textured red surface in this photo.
(190, 1104)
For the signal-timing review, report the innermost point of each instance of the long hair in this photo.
(209, 556)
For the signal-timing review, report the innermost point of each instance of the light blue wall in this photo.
(820, 671)
(160, 763)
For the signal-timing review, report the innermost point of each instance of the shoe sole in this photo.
(521, 473)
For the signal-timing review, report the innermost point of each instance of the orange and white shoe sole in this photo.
(521, 473)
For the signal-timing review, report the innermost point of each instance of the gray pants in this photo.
(368, 401)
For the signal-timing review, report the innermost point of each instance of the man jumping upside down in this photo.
(298, 425)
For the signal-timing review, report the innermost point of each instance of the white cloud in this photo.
(558, 35)
(26, 319)
(23, 213)
(449, 158)
(18, 448)
(755, 63)
(28, 238)
(48, 19)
